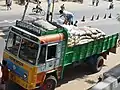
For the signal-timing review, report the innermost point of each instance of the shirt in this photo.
(67, 14)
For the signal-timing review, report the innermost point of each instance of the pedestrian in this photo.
(5, 2)
(97, 2)
(68, 16)
(8, 4)
(62, 7)
(4, 70)
(111, 6)
(93, 2)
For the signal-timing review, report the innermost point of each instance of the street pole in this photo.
(52, 10)
(48, 10)
(26, 6)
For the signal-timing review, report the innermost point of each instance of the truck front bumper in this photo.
(13, 77)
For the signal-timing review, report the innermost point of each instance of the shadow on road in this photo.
(2, 5)
(3, 10)
(77, 73)
(90, 81)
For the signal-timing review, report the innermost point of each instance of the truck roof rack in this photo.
(36, 27)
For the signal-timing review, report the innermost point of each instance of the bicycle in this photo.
(38, 10)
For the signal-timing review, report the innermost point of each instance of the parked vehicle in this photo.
(112, 77)
(38, 52)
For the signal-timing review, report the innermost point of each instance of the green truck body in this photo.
(81, 52)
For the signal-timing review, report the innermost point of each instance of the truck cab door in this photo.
(53, 56)
(49, 57)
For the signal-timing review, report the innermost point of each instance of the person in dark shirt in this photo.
(4, 70)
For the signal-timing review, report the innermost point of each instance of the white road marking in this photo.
(7, 21)
(2, 21)
(12, 21)
(2, 34)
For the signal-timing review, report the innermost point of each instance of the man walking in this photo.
(62, 7)
(93, 2)
(111, 6)
(8, 4)
(97, 2)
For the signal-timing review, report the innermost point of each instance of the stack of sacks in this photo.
(81, 35)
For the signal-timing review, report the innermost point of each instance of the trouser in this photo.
(70, 19)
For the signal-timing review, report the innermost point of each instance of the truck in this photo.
(37, 53)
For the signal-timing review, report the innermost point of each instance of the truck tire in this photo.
(97, 66)
(50, 83)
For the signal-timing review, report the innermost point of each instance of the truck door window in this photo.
(28, 51)
(51, 52)
(42, 54)
(13, 43)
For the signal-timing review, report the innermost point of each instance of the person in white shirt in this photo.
(8, 4)
(68, 17)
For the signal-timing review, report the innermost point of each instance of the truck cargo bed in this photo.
(81, 52)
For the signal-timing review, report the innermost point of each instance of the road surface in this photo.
(82, 79)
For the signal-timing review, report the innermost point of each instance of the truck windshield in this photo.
(22, 48)
(13, 43)
(28, 51)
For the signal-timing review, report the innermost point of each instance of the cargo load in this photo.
(82, 35)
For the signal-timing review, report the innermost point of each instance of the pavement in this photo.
(8, 18)
(70, 6)
(79, 10)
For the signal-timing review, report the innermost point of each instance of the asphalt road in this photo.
(81, 78)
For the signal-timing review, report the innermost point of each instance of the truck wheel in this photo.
(98, 64)
(50, 83)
